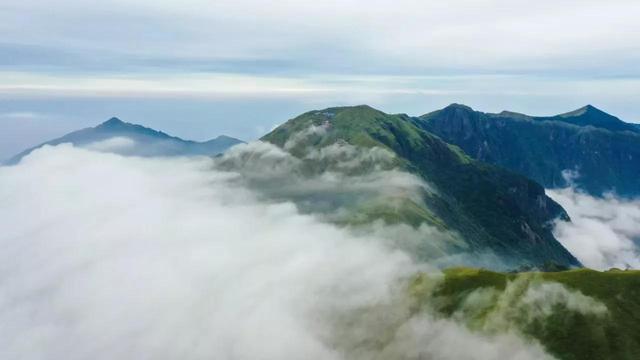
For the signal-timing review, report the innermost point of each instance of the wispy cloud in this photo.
(22, 115)
(603, 232)
(329, 37)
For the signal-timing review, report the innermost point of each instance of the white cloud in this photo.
(489, 34)
(115, 144)
(337, 181)
(21, 115)
(603, 232)
(109, 257)
(427, 338)
(353, 51)
(524, 300)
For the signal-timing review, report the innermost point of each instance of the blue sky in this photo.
(197, 68)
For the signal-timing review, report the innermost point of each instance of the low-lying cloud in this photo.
(603, 232)
(324, 180)
(361, 189)
(107, 257)
(524, 300)
(119, 144)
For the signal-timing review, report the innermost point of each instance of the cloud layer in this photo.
(256, 37)
(112, 257)
(603, 232)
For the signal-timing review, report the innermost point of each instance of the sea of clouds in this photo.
(107, 257)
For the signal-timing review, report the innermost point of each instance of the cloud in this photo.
(311, 131)
(106, 257)
(524, 300)
(335, 168)
(603, 232)
(429, 338)
(527, 304)
(362, 188)
(115, 144)
(328, 37)
(21, 115)
(407, 53)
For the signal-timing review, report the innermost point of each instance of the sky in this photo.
(197, 68)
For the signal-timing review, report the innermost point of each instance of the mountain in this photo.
(602, 150)
(115, 135)
(494, 210)
(592, 116)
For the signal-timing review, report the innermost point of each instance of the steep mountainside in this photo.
(124, 138)
(494, 210)
(603, 150)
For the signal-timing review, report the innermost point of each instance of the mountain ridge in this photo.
(151, 142)
(494, 209)
(601, 148)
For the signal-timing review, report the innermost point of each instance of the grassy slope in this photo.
(491, 207)
(566, 334)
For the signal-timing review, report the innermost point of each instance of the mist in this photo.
(603, 232)
(106, 257)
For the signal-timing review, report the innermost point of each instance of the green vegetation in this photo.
(496, 211)
(576, 314)
(604, 149)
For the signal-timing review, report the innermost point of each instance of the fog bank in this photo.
(603, 232)
(109, 257)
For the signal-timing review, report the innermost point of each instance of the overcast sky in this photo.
(197, 68)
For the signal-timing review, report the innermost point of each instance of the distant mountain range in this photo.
(115, 135)
(600, 149)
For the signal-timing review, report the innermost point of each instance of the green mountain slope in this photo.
(495, 211)
(604, 150)
(578, 314)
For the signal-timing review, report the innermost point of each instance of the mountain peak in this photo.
(451, 110)
(438, 163)
(589, 115)
(148, 142)
(114, 121)
(338, 109)
(585, 110)
(456, 106)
